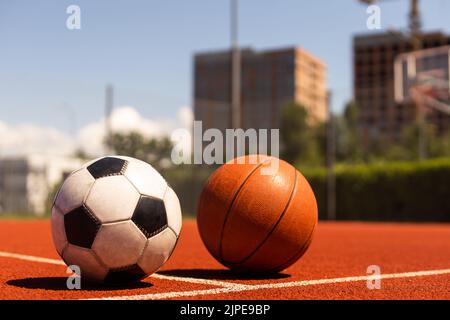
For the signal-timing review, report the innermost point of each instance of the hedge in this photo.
(188, 181)
(402, 191)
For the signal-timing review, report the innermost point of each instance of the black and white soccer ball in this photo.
(116, 219)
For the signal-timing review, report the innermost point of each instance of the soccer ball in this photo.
(116, 219)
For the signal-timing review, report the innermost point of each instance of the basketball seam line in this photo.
(275, 225)
(301, 251)
(232, 203)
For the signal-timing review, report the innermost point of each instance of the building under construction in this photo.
(269, 80)
(373, 83)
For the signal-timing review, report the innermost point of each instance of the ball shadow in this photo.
(60, 283)
(221, 274)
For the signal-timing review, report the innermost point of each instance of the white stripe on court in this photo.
(233, 287)
(194, 280)
(155, 275)
(178, 294)
(351, 279)
(30, 258)
(240, 288)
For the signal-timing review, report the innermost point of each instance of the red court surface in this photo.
(414, 260)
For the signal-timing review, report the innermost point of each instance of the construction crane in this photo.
(415, 24)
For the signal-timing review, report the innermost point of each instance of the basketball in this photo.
(254, 219)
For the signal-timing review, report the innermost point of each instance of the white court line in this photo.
(30, 258)
(240, 288)
(195, 280)
(156, 276)
(233, 287)
(178, 294)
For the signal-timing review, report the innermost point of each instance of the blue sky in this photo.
(51, 76)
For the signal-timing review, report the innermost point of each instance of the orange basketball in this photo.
(254, 220)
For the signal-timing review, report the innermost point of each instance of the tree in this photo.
(340, 138)
(437, 145)
(81, 154)
(299, 138)
(440, 145)
(155, 151)
(351, 135)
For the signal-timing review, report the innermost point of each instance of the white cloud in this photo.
(27, 138)
(185, 117)
(126, 119)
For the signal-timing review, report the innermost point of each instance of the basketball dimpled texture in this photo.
(250, 221)
(117, 219)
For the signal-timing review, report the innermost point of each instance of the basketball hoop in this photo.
(423, 77)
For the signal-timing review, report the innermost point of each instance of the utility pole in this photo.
(416, 42)
(235, 67)
(330, 155)
(109, 105)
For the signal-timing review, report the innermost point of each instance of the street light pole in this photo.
(235, 67)
(416, 41)
(109, 103)
(330, 155)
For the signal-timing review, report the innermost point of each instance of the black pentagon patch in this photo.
(150, 216)
(108, 166)
(125, 275)
(81, 227)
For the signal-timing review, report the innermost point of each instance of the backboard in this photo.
(424, 76)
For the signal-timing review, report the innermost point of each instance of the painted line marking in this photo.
(178, 294)
(194, 280)
(156, 276)
(31, 258)
(240, 288)
(232, 287)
